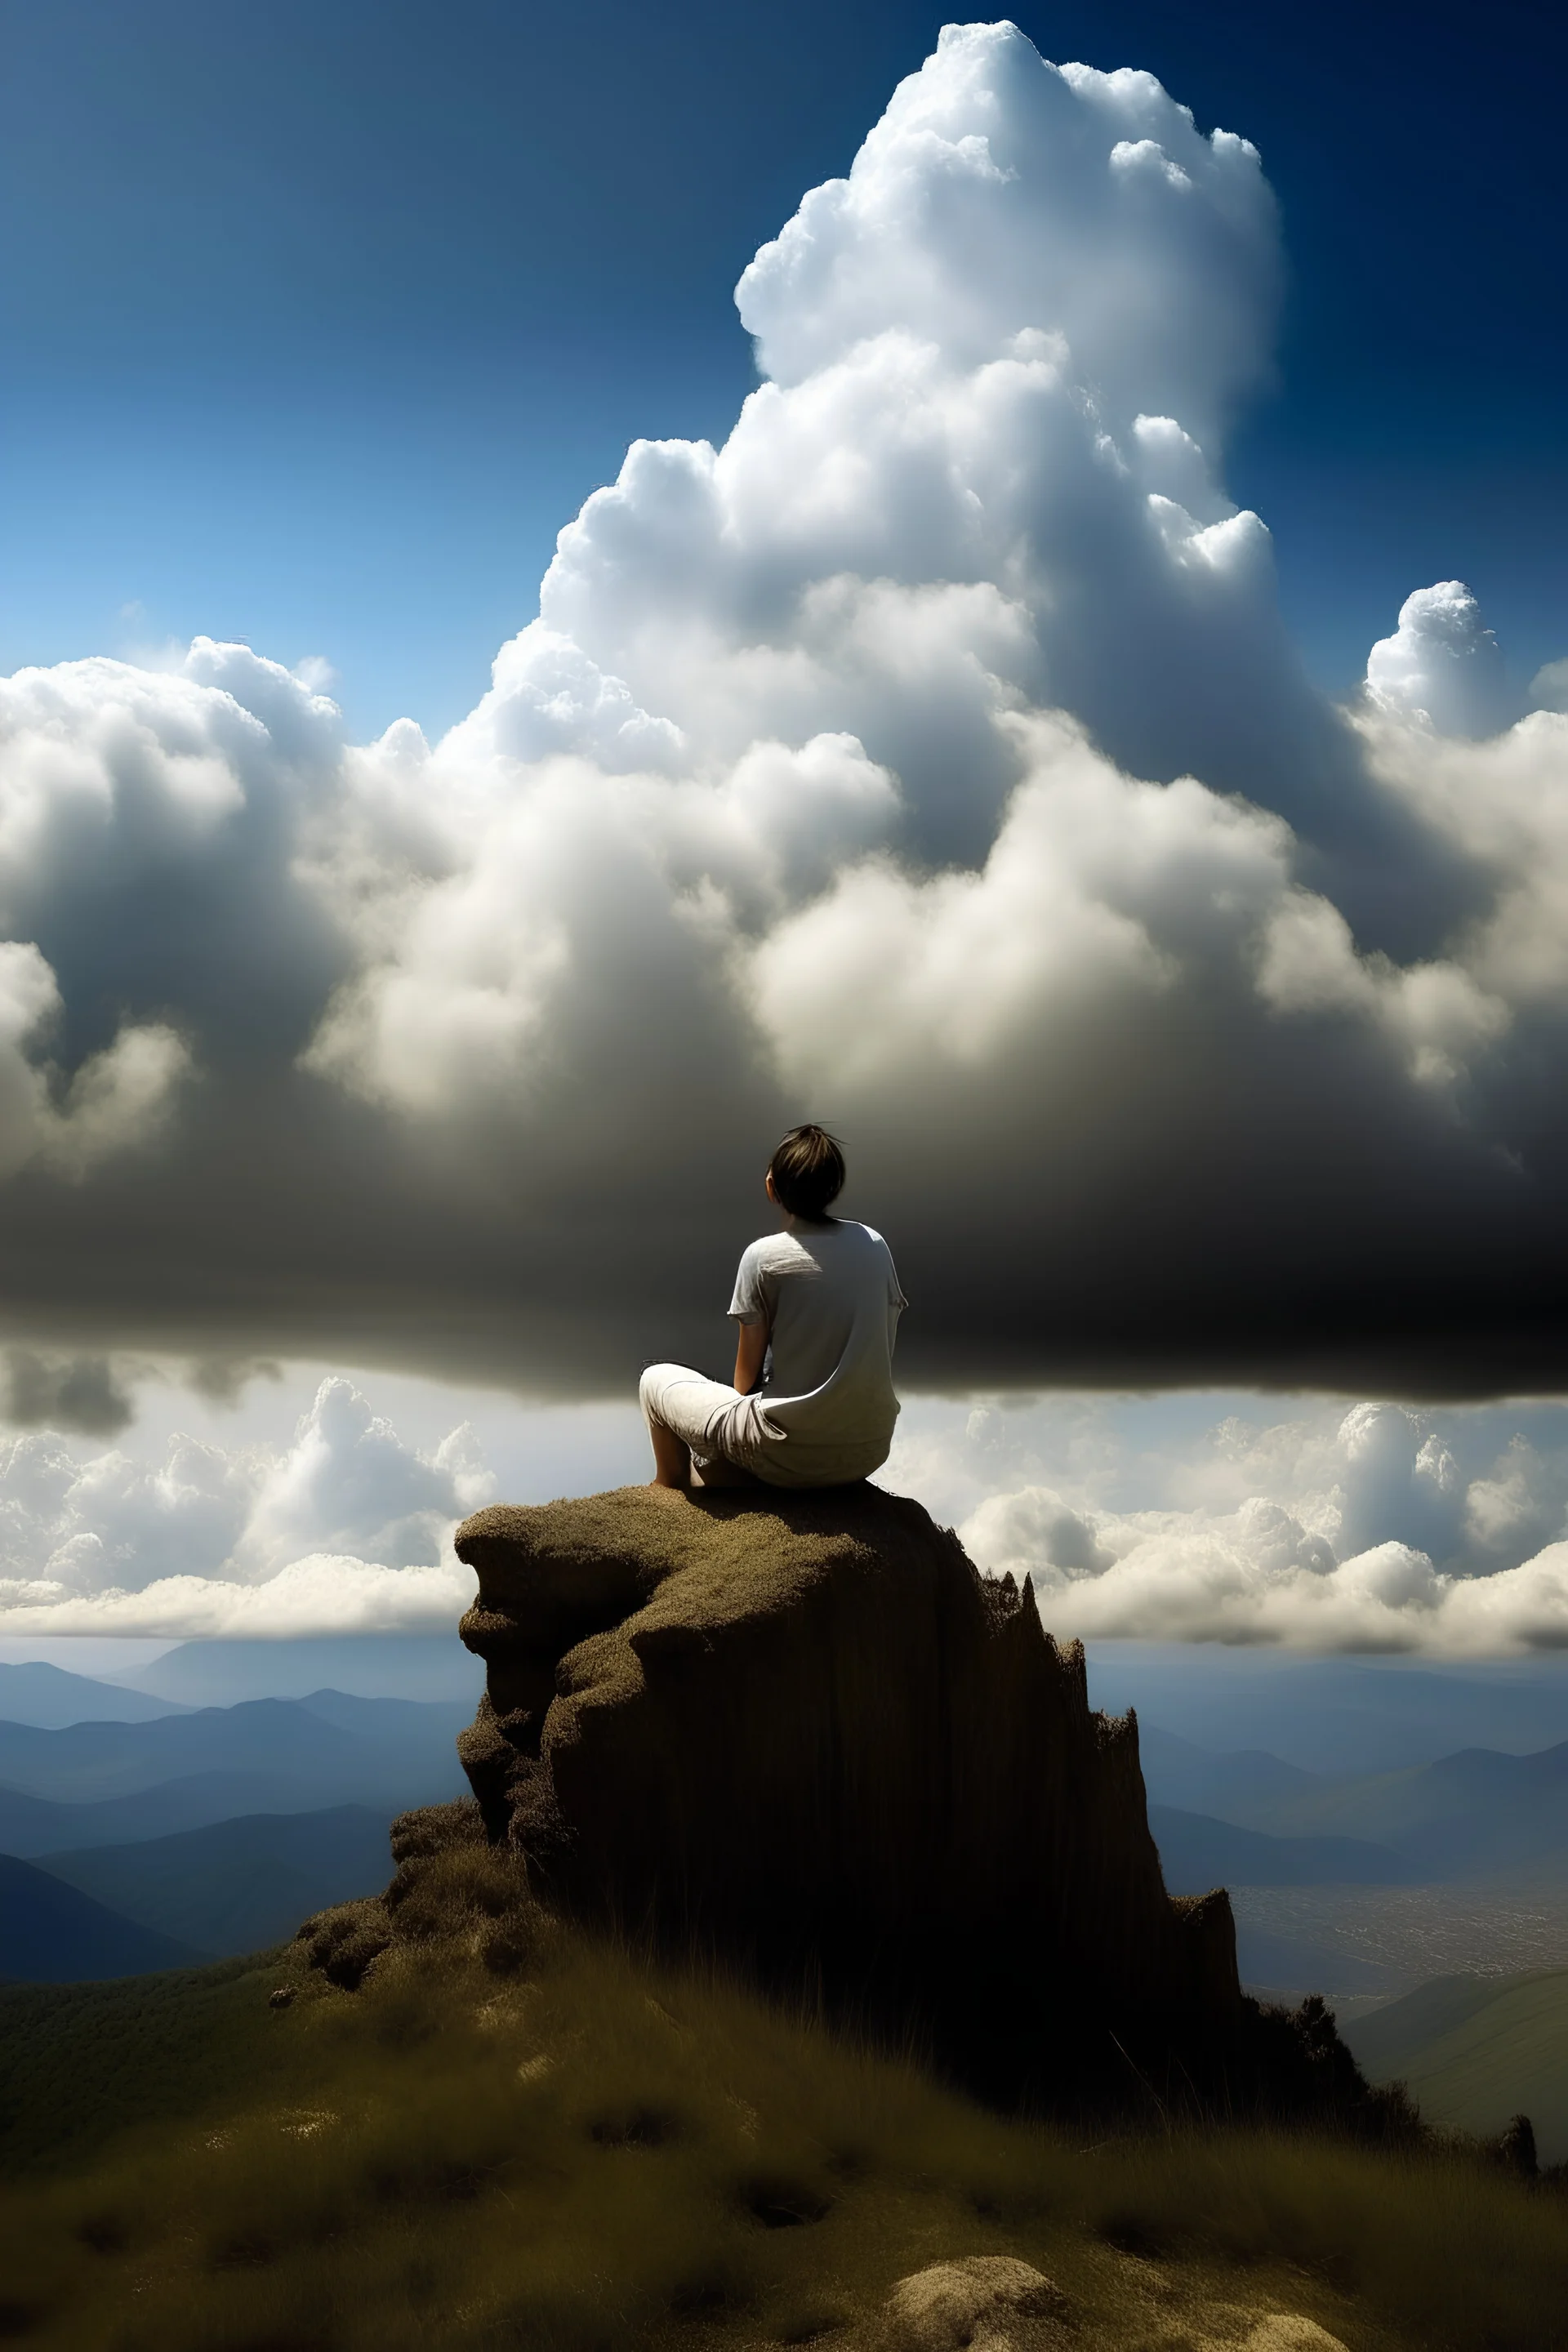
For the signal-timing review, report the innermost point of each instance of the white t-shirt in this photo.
(830, 1297)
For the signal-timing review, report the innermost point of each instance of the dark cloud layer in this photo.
(849, 772)
(81, 1393)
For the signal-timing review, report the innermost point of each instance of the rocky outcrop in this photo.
(981, 2303)
(995, 2302)
(804, 1732)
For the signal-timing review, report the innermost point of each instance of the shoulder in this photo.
(769, 1254)
(875, 1260)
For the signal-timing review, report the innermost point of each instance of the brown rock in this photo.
(803, 1730)
(983, 2303)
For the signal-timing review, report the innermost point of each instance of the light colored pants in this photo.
(704, 1415)
(697, 1410)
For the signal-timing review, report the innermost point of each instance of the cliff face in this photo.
(800, 1730)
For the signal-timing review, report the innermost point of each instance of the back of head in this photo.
(807, 1171)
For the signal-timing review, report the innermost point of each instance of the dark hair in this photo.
(807, 1171)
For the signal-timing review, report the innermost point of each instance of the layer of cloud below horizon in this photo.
(346, 1529)
(1309, 1527)
(930, 759)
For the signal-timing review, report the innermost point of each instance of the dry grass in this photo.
(513, 2137)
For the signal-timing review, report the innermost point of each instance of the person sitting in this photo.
(817, 1305)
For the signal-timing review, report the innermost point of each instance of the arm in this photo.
(750, 1347)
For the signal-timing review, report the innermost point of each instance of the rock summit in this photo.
(802, 1733)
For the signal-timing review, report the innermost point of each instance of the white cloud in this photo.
(1376, 1529)
(1500, 805)
(1308, 1524)
(982, 350)
(1443, 664)
(930, 756)
(999, 195)
(345, 1529)
(318, 1595)
(349, 1480)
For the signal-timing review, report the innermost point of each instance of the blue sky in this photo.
(323, 320)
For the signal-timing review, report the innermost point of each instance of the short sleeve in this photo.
(749, 1303)
(895, 1298)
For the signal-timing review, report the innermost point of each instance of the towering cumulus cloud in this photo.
(930, 759)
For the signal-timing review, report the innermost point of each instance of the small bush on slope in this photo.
(511, 2136)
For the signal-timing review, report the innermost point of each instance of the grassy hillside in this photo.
(512, 2137)
(81, 2063)
(1476, 2050)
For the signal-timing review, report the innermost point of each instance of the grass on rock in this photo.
(511, 2136)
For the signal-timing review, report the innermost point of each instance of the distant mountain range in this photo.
(1197, 1852)
(238, 1885)
(54, 1934)
(1235, 1784)
(48, 1697)
(1490, 1826)
(1340, 1716)
(365, 1666)
(428, 1668)
(1462, 1817)
(326, 1749)
(1477, 1813)
(134, 1845)
(31, 1827)
(217, 1827)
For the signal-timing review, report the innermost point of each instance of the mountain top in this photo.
(801, 1733)
(802, 1729)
